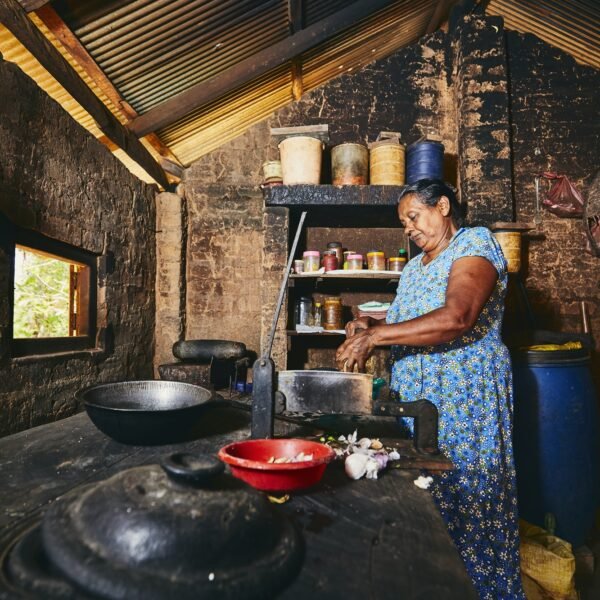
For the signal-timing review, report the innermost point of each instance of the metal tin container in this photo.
(349, 164)
(386, 162)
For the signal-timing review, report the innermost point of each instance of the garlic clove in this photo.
(364, 443)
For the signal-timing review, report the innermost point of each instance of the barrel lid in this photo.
(181, 530)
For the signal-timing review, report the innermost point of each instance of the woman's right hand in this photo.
(361, 323)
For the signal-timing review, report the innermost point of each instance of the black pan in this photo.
(146, 413)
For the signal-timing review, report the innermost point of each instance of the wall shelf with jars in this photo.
(360, 220)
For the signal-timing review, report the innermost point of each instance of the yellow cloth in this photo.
(551, 347)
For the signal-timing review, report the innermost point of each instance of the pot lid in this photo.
(181, 530)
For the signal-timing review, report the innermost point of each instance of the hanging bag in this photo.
(563, 199)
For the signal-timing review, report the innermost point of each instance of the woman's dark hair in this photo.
(429, 191)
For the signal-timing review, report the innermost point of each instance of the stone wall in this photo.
(555, 115)
(57, 179)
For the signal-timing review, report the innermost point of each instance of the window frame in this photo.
(24, 347)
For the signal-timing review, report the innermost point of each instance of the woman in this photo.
(444, 329)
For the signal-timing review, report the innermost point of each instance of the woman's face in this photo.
(427, 226)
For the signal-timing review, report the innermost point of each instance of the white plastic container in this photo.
(301, 160)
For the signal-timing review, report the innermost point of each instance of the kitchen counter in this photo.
(379, 539)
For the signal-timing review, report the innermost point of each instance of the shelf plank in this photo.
(336, 195)
(348, 275)
(315, 333)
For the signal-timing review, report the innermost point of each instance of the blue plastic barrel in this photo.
(424, 160)
(556, 441)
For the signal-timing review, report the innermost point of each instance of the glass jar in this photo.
(304, 311)
(332, 313)
(376, 260)
(355, 262)
(396, 263)
(338, 251)
(298, 266)
(330, 261)
(312, 261)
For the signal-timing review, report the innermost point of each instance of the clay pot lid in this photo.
(179, 530)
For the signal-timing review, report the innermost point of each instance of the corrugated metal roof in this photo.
(571, 25)
(153, 50)
(211, 126)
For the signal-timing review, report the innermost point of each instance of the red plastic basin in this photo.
(248, 461)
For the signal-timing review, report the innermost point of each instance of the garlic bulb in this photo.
(356, 465)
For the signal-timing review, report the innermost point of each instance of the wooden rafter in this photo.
(246, 70)
(13, 17)
(437, 16)
(296, 19)
(31, 5)
(78, 52)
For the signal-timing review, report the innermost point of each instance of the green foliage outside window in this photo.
(41, 300)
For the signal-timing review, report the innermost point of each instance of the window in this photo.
(54, 296)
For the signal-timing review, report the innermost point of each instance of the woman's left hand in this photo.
(355, 351)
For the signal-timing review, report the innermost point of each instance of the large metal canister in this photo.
(349, 164)
(386, 162)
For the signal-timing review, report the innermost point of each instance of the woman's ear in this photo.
(443, 205)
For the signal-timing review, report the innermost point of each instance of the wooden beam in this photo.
(177, 107)
(438, 14)
(31, 5)
(296, 20)
(78, 52)
(16, 21)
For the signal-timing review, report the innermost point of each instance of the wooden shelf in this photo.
(315, 334)
(339, 195)
(349, 275)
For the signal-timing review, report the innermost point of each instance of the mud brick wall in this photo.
(555, 115)
(408, 92)
(57, 179)
(482, 108)
(171, 236)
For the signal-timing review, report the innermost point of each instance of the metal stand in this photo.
(263, 370)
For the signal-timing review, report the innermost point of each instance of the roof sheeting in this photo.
(571, 25)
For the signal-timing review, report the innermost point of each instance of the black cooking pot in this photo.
(147, 412)
(180, 530)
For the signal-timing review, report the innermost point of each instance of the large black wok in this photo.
(147, 412)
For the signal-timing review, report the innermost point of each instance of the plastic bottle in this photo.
(317, 316)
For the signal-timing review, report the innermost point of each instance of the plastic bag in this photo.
(563, 199)
(547, 565)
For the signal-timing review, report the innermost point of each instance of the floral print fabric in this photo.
(470, 382)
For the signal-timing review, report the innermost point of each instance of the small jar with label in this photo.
(355, 262)
(312, 261)
(332, 313)
(396, 263)
(330, 260)
(376, 260)
(338, 251)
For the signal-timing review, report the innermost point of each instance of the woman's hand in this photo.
(355, 351)
(352, 327)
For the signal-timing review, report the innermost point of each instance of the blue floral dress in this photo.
(470, 382)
